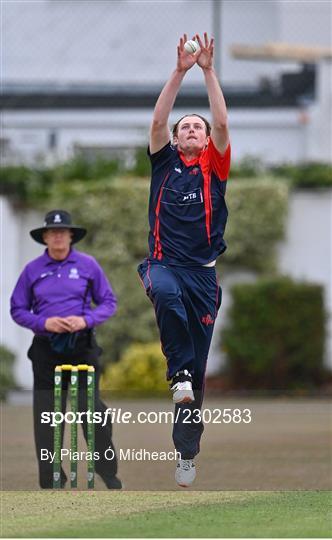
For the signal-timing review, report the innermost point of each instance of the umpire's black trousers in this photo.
(44, 360)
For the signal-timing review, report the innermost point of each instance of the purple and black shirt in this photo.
(49, 288)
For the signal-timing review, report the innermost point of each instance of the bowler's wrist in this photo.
(208, 70)
(180, 71)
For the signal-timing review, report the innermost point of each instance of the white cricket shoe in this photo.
(185, 472)
(182, 387)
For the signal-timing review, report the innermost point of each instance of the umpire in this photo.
(53, 298)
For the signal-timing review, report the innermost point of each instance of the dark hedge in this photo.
(275, 336)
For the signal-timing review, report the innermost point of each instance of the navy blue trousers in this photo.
(186, 302)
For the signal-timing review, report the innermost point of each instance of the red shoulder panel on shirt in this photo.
(219, 163)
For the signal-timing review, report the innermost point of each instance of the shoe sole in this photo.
(186, 399)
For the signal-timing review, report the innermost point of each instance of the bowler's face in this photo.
(58, 239)
(191, 134)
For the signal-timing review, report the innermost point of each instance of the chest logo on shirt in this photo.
(181, 198)
(194, 171)
(189, 197)
(73, 273)
(45, 274)
(177, 169)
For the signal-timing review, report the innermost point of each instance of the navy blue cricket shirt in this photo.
(187, 208)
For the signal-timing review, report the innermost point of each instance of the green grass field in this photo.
(287, 447)
(166, 514)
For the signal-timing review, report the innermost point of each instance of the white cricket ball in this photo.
(191, 46)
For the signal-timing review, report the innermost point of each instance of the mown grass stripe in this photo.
(186, 515)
